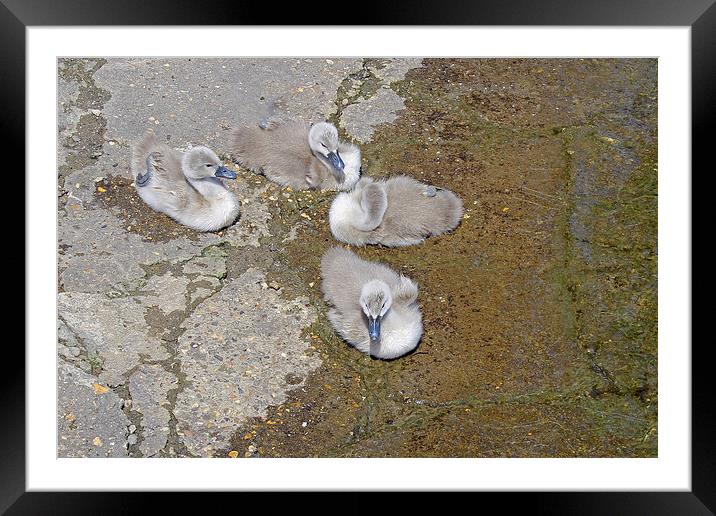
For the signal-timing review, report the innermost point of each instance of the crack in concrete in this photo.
(85, 138)
(359, 84)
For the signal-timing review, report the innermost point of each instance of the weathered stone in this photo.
(102, 256)
(395, 69)
(200, 293)
(113, 329)
(167, 292)
(360, 119)
(231, 354)
(205, 95)
(89, 424)
(149, 387)
(206, 265)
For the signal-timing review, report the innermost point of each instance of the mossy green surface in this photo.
(540, 309)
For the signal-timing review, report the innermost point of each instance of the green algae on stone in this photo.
(509, 363)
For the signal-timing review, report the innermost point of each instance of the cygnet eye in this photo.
(208, 165)
(323, 145)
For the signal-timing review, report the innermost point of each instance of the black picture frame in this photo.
(700, 15)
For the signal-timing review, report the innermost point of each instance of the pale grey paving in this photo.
(214, 266)
(238, 348)
(90, 423)
(394, 70)
(112, 329)
(149, 387)
(166, 292)
(98, 253)
(361, 119)
(198, 100)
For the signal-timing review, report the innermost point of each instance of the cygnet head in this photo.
(375, 299)
(323, 140)
(202, 163)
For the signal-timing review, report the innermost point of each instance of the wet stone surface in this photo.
(539, 309)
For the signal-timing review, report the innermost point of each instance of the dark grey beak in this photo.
(224, 172)
(336, 161)
(374, 328)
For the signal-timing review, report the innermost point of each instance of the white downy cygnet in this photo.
(372, 307)
(296, 154)
(186, 186)
(394, 212)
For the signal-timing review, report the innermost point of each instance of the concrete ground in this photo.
(539, 310)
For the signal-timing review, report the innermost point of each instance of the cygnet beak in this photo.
(336, 161)
(225, 172)
(374, 328)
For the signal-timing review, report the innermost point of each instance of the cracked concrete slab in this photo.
(112, 329)
(97, 254)
(379, 109)
(90, 423)
(213, 266)
(149, 387)
(198, 100)
(166, 292)
(393, 70)
(202, 287)
(238, 349)
(369, 100)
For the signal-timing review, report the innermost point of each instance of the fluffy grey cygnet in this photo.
(394, 212)
(372, 307)
(187, 186)
(296, 154)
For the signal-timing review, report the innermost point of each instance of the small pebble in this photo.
(132, 440)
(132, 429)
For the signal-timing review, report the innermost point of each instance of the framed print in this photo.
(451, 252)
